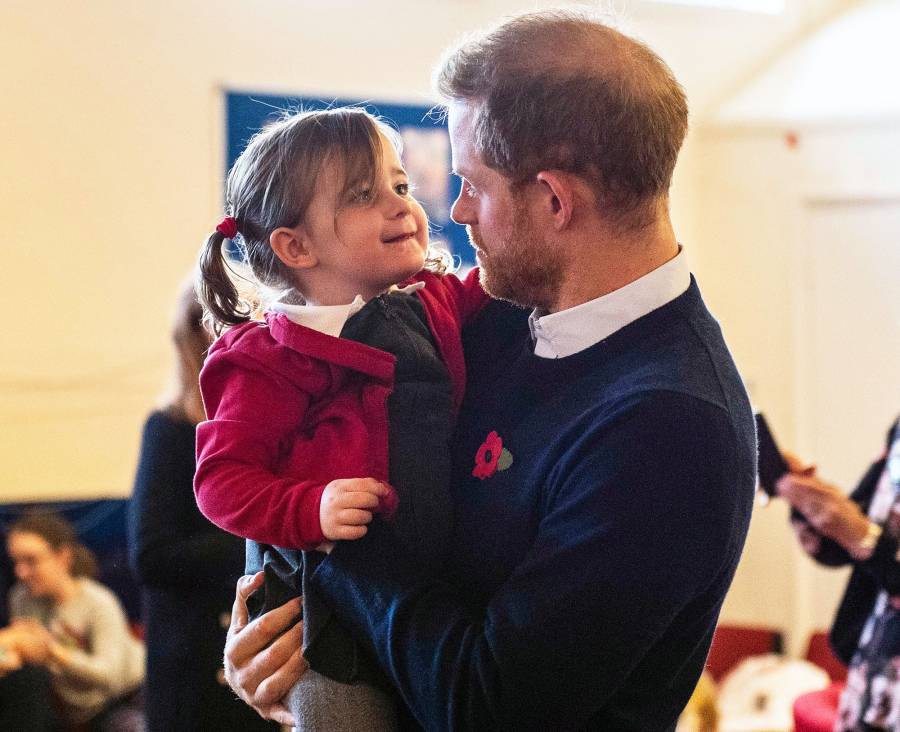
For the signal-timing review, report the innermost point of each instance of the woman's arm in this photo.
(102, 664)
(838, 529)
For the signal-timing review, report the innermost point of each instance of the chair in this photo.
(817, 711)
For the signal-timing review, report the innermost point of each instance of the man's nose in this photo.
(461, 211)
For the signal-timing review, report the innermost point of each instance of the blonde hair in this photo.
(191, 340)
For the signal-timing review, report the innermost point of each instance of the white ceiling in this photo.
(713, 52)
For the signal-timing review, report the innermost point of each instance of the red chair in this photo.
(819, 652)
(733, 643)
(817, 711)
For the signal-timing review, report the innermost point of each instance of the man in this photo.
(605, 454)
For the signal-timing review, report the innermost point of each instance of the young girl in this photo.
(350, 383)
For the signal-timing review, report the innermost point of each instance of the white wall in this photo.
(112, 140)
(818, 129)
(111, 127)
(753, 193)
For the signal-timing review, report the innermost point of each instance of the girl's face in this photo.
(38, 566)
(370, 238)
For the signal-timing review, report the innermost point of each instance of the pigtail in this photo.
(222, 304)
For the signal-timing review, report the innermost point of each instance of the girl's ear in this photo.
(293, 247)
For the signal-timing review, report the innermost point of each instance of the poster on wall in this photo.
(426, 152)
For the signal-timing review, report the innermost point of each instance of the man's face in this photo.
(517, 264)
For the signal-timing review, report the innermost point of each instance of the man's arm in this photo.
(648, 518)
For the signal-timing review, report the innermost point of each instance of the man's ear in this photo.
(557, 196)
(293, 247)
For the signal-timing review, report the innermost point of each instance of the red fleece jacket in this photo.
(291, 409)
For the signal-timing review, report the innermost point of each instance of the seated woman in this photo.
(68, 624)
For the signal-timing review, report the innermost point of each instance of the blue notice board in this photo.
(426, 152)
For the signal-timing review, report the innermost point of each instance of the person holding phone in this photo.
(862, 529)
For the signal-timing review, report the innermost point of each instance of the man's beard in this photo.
(523, 268)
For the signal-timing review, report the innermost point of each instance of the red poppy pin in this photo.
(491, 457)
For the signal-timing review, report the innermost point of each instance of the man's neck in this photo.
(608, 260)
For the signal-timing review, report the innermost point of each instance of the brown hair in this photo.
(561, 90)
(58, 533)
(191, 340)
(271, 185)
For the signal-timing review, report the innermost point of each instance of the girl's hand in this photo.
(348, 504)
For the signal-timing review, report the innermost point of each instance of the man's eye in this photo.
(363, 195)
(469, 189)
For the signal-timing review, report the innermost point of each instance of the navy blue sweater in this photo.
(593, 543)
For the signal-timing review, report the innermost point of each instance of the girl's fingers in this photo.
(351, 533)
(354, 517)
(358, 499)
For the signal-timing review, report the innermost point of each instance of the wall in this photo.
(112, 134)
(111, 127)
(753, 190)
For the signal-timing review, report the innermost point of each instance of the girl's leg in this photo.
(320, 704)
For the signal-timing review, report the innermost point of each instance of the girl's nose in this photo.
(398, 205)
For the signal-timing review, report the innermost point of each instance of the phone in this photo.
(772, 464)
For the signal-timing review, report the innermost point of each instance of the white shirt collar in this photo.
(330, 319)
(567, 332)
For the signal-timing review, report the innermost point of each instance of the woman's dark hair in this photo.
(58, 533)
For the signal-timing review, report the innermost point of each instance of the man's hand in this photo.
(263, 659)
(348, 505)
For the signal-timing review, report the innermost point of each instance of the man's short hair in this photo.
(561, 90)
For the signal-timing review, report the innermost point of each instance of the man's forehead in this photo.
(459, 122)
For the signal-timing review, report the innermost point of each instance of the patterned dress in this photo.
(871, 700)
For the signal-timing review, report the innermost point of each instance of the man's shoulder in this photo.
(679, 348)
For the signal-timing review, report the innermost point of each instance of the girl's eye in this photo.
(402, 189)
